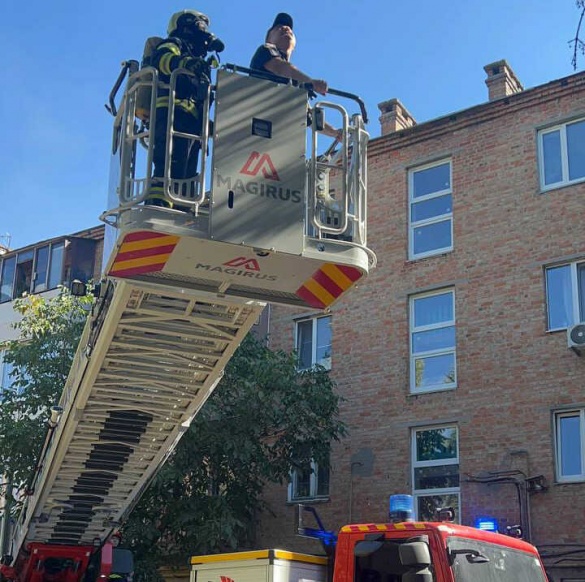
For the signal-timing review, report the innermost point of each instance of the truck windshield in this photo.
(475, 561)
(381, 565)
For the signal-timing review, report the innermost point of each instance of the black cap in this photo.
(282, 19)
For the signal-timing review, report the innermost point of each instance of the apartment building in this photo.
(42, 268)
(452, 357)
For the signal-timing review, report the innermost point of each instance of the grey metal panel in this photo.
(259, 167)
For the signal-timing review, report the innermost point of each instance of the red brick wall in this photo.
(511, 372)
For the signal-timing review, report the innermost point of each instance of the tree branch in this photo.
(577, 43)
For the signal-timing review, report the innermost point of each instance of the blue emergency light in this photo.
(401, 508)
(487, 524)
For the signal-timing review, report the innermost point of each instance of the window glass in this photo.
(569, 434)
(559, 296)
(562, 154)
(434, 370)
(432, 237)
(310, 481)
(427, 506)
(302, 482)
(433, 309)
(322, 481)
(551, 150)
(431, 180)
(56, 267)
(436, 444)
(434, 339)
(8, 270)
(581, 290)
(323, 354)
(504, 564)
(576, 150)
(435, 471)
(305, 344)
(314, 342)
(41, 269)
(24, 273)
(6, 369)
(430, 208)
(432, 331)
(439, 477)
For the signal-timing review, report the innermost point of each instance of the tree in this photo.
(264, 419)
(577, 43)
(40, 358)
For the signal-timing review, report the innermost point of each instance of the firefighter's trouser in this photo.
(185, 154)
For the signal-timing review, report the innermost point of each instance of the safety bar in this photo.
(175, 186)
(128, 134)
(129, 67)
(307, 86)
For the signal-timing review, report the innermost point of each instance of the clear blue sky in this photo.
(61, 57)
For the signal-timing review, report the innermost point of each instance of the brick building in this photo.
(452, 357)
(41, 268)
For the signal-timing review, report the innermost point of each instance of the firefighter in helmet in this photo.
(188, 43)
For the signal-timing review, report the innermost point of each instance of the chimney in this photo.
(501, 80)
(394, 116)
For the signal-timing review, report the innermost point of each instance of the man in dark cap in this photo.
(274, 57)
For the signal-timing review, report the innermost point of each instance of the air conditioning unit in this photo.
(576, 337)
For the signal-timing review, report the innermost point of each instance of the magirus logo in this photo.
(239, 266)
(260, 162)
(250, 264)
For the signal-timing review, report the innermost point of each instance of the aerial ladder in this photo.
(180, 291)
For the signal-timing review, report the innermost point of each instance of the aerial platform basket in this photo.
(271, 218)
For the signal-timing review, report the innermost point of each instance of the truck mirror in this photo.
(415, 554)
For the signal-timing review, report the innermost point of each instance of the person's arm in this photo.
(332, 132)
(168, 57)
(283, 68)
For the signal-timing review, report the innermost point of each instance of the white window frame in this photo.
(325, 363)
(558, 415)
(415, 464)
(439, 352)
(313, 485)
(576, 299)
(412, 226)
(562, 129)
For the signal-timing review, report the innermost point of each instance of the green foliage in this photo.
(48, 334)
(263, 417)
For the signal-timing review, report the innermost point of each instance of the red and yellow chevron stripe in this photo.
(375, 527)
(327, 284)
(143, 252)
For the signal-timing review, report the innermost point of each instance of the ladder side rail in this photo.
(72, 402)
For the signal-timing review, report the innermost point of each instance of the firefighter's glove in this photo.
(199, 67)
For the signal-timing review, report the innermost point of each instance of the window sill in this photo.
(432, 390)
(309, 500)
(574, 481)
(434, 254)
(560, 186)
